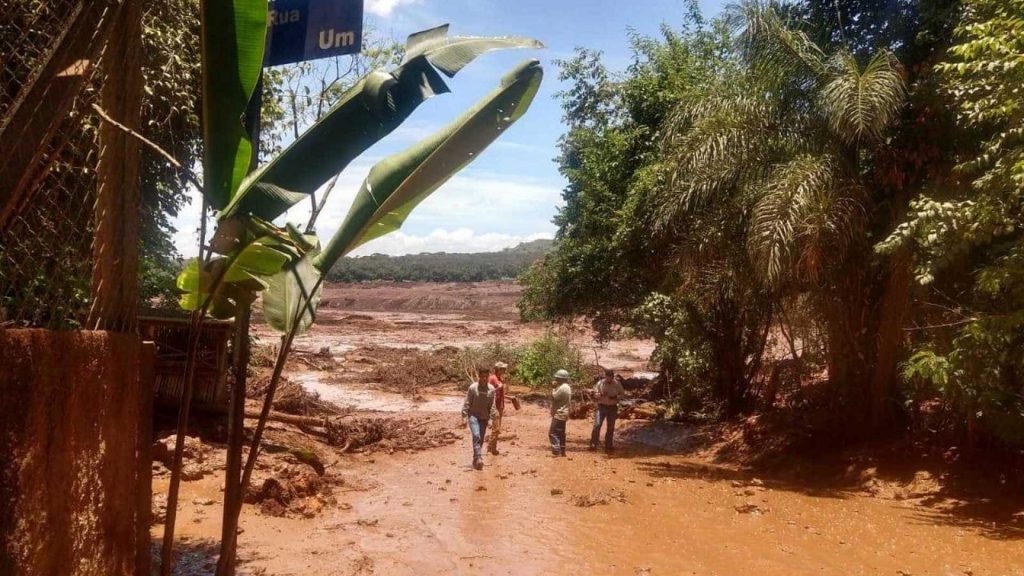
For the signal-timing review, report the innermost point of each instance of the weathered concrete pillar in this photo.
(71, 451)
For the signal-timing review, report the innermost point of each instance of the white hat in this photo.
(562, 375)
(500, 365)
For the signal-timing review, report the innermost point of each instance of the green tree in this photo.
(789, 145)
(681, 283)
(170, 119)
(969, 242)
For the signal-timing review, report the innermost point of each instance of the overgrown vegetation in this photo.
(532, 364)
(537, 362)
(788, 183)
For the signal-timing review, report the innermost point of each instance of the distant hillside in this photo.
(440, 266)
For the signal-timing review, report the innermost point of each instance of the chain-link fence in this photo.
(46, 238)
(29, 33)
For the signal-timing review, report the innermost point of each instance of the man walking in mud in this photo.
(561, 396)
(608, 391)
(497, 380)
(477, 411)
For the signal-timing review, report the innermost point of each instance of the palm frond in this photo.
(809, 208)
(774, 47)
(860, 104)
(710, 145)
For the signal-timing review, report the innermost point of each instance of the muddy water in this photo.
(659, 513)
(430, 513)
(676, 517)
(364, 399)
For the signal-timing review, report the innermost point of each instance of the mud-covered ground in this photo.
(666, 502)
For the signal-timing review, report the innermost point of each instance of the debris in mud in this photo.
(556, 491)
(388, 434)
(293, 492)
(321, 360)
(408, 370)
(291, 398)
(158, 509)
(749, 508)
(598, 499)
(645, 411)
(362, 565)
(292, 455)
(196, 457)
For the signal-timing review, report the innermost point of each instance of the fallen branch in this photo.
(424, 423)
(152, 145)
(251, 414)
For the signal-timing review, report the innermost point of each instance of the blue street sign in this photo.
(301, 30)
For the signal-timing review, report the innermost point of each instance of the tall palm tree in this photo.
(786, 143)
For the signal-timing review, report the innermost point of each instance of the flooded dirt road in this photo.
(655, 507)
(636, 512)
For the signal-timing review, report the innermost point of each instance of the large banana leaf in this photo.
(293, 295)
(451, 54)
(233, 37)
(232, 277)
(367, 112)
(400, 182)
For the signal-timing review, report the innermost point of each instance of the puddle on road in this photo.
(372, 400)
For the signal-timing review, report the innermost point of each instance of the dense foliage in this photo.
(967, 241)
(767, 187)
(440, 266)
(171, 120)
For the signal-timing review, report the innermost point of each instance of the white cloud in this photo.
(475, 211)
(502, 209)
(441, 240)
(384, 8)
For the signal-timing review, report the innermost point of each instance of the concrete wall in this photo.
(73, 453)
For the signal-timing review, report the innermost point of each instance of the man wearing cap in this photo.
(561, 396)
(497, 380)
(608, 392)
(477, 411)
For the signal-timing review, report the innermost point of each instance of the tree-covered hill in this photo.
(441, 266)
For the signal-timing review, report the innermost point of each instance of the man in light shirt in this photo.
(608, 391)
(477, 411)
(561, 396)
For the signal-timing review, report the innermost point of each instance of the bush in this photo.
(469, 358)
(540, 359)
(532, 364)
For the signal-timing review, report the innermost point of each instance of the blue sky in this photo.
(511, 192)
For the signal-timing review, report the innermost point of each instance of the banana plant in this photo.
(254, 255)
(396, 185)
(371, 109)
(367, 112)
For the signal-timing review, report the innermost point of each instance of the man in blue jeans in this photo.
(608, 392)
(477, 411)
